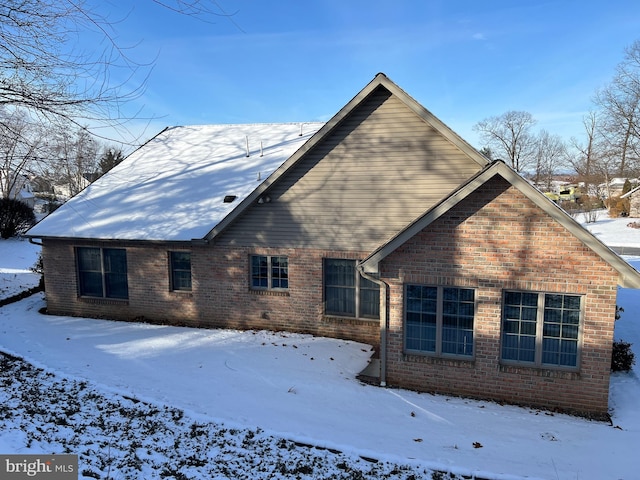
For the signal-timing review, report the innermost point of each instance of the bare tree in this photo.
(620, 105)
(48, 79)
(550, 152)
(604, 168)
(74, 159)
(510, 135)
(44, 71)
(588, 153)
(41, 72)
(19, 142)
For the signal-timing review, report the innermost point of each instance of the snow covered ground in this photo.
(17, 256)
(143, 401)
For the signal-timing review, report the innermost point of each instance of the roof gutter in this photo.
(31, 240)
(384, 290)
(127, 241)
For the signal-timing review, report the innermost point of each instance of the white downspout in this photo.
(384, 290)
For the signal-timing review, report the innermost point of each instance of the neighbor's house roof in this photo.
(173, 187)
(20, 186)
(628, 276)
(630, 192)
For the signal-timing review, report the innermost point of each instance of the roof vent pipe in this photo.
(247, 139)
(301, 129)
(261, 151)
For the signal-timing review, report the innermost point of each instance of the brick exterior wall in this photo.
(220, 295)
(498, 239)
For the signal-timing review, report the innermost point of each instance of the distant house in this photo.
(615, 186)
(70, 188)
(19, 187)
(381, 226)
(634, 201)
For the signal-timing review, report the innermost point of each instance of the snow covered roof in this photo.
(630, 192)
(174, 186)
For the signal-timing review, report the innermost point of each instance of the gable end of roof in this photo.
(628, 276)
(379, 81)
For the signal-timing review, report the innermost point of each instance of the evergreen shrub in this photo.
(622, 358)
(16, 217)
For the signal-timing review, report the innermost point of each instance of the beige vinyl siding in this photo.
(377, 171)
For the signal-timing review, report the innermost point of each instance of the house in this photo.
(634, 201)
(67, 188)
(18, 187)
(615, 187)
(381, 226)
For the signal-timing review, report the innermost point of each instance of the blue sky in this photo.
(280, 61)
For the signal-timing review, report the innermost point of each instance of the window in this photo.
(439, 319)
(541, 329)
(347, 293)
(102, 272)
(269, 272)
(180, 264)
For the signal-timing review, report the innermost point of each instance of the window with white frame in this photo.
(439, 320)
(347, 293)
(541, 329)
(269, 272)
(102, 272)
(180, 267)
